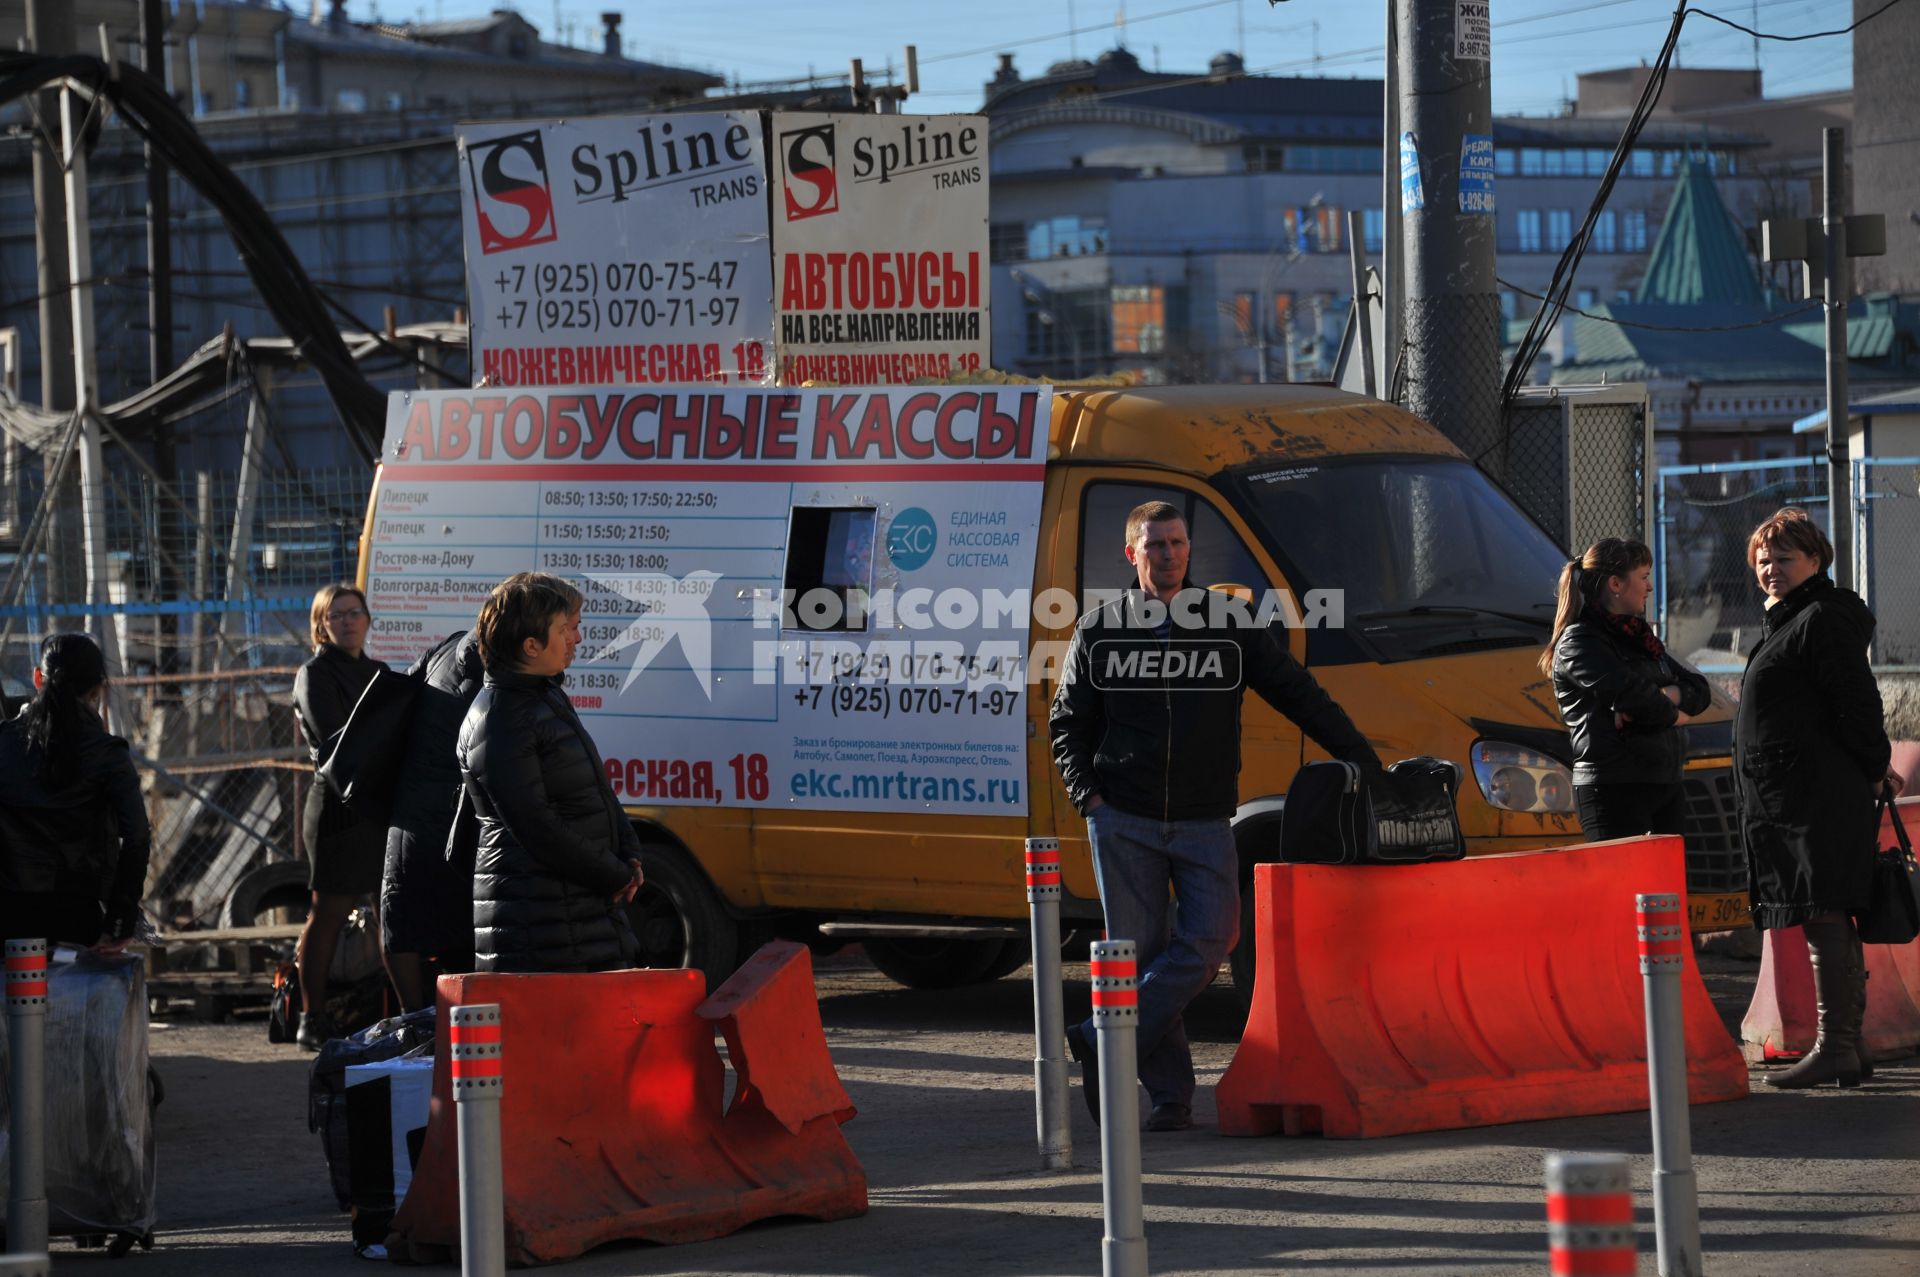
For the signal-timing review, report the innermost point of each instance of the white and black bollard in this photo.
(25, 1266)
(1049, 1006)
(1589, 1215)
(1676, 1205)
(1116, 1018)
(475, 1055)
(27, 1094)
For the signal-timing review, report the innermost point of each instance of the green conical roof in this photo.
(1700, 255)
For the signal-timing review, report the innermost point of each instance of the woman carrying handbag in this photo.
(1811, 756)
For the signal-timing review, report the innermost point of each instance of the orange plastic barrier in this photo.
(614, 1122)
(1398, 998)
(1781, 1021)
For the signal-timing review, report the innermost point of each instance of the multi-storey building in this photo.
(1194, 227)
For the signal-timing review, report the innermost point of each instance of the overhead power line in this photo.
(1809, 35)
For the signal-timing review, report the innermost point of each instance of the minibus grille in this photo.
(1716, 862)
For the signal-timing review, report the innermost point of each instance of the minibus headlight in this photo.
(1515, 778)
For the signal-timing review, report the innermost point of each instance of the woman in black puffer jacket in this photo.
(557, 860)
(1621, 695)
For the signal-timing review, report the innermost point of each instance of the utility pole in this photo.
(50, 33)
(1452, 308)
(1825, 244)
(1392, 292)
(153, 47)
(86, 380)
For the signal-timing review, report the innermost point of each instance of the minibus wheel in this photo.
(678, 917)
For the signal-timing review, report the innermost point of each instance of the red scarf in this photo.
(1633, 629)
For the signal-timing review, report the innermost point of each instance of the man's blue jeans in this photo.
(1135, 858)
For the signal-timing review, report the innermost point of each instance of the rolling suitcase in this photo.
(99, 1151)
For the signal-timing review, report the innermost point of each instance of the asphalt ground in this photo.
(1820, 1182)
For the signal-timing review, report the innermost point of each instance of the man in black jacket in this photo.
(1146, 733)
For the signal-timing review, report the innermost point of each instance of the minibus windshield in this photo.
(1414, 539)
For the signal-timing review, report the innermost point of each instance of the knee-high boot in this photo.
(1833, 1058)
(1858, 1021)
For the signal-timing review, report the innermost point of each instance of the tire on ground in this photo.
(931, 963)
(680, 920)
(276, 885)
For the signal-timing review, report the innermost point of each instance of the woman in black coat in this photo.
(1621, 694)
(344, 852)
(426, 896)
(1811, 756)
(557, 860)
(73, 829)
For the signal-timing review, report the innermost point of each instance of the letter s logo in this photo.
(512, 200)
(812, 185)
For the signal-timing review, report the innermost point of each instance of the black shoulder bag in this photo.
(1893, 917)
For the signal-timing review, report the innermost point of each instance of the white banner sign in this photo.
(624, 249)
(880, 247)
(801, 599)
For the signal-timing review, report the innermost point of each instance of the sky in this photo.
(1539, 45)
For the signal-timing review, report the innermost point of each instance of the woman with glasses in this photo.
(344, 854)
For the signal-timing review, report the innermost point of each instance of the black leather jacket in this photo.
(84, 835)
(1170, 747)
(325, 691)
(1597, 673)
(554, 844)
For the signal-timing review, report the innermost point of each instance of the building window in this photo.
(1505, 162)
(1634, 230)
(1006, 242)
(1509, 305)
(1532, 161)
(1623, 294)
(1640, 164)
(1556, 162)
(1583, 299)
(242, 93)
(1332, 159)
(1066, 237)
(1669, 163)
(1330, 229)
(1526, 225)
(1242, 312)
(1606, 235)
(1559, 228)
(1140, 320)
(1597, 162)
(1373, 229)
(1263, 159)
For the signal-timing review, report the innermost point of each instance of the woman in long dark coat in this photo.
(344, 852)
(1811, 755)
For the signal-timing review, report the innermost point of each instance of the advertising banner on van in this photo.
(618, 250)
(880, 247)
(811, 599)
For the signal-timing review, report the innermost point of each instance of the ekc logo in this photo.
(912, 539)
(511, 196)
(813, 184)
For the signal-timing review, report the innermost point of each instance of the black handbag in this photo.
(1336, 815)
(1893, 917)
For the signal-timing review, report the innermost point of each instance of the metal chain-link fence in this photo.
(1710, 609)
(1887, 512)
(1576, 460)
(208, 585)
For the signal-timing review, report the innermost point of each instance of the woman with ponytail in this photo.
(1621, 695)
(73, 829)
